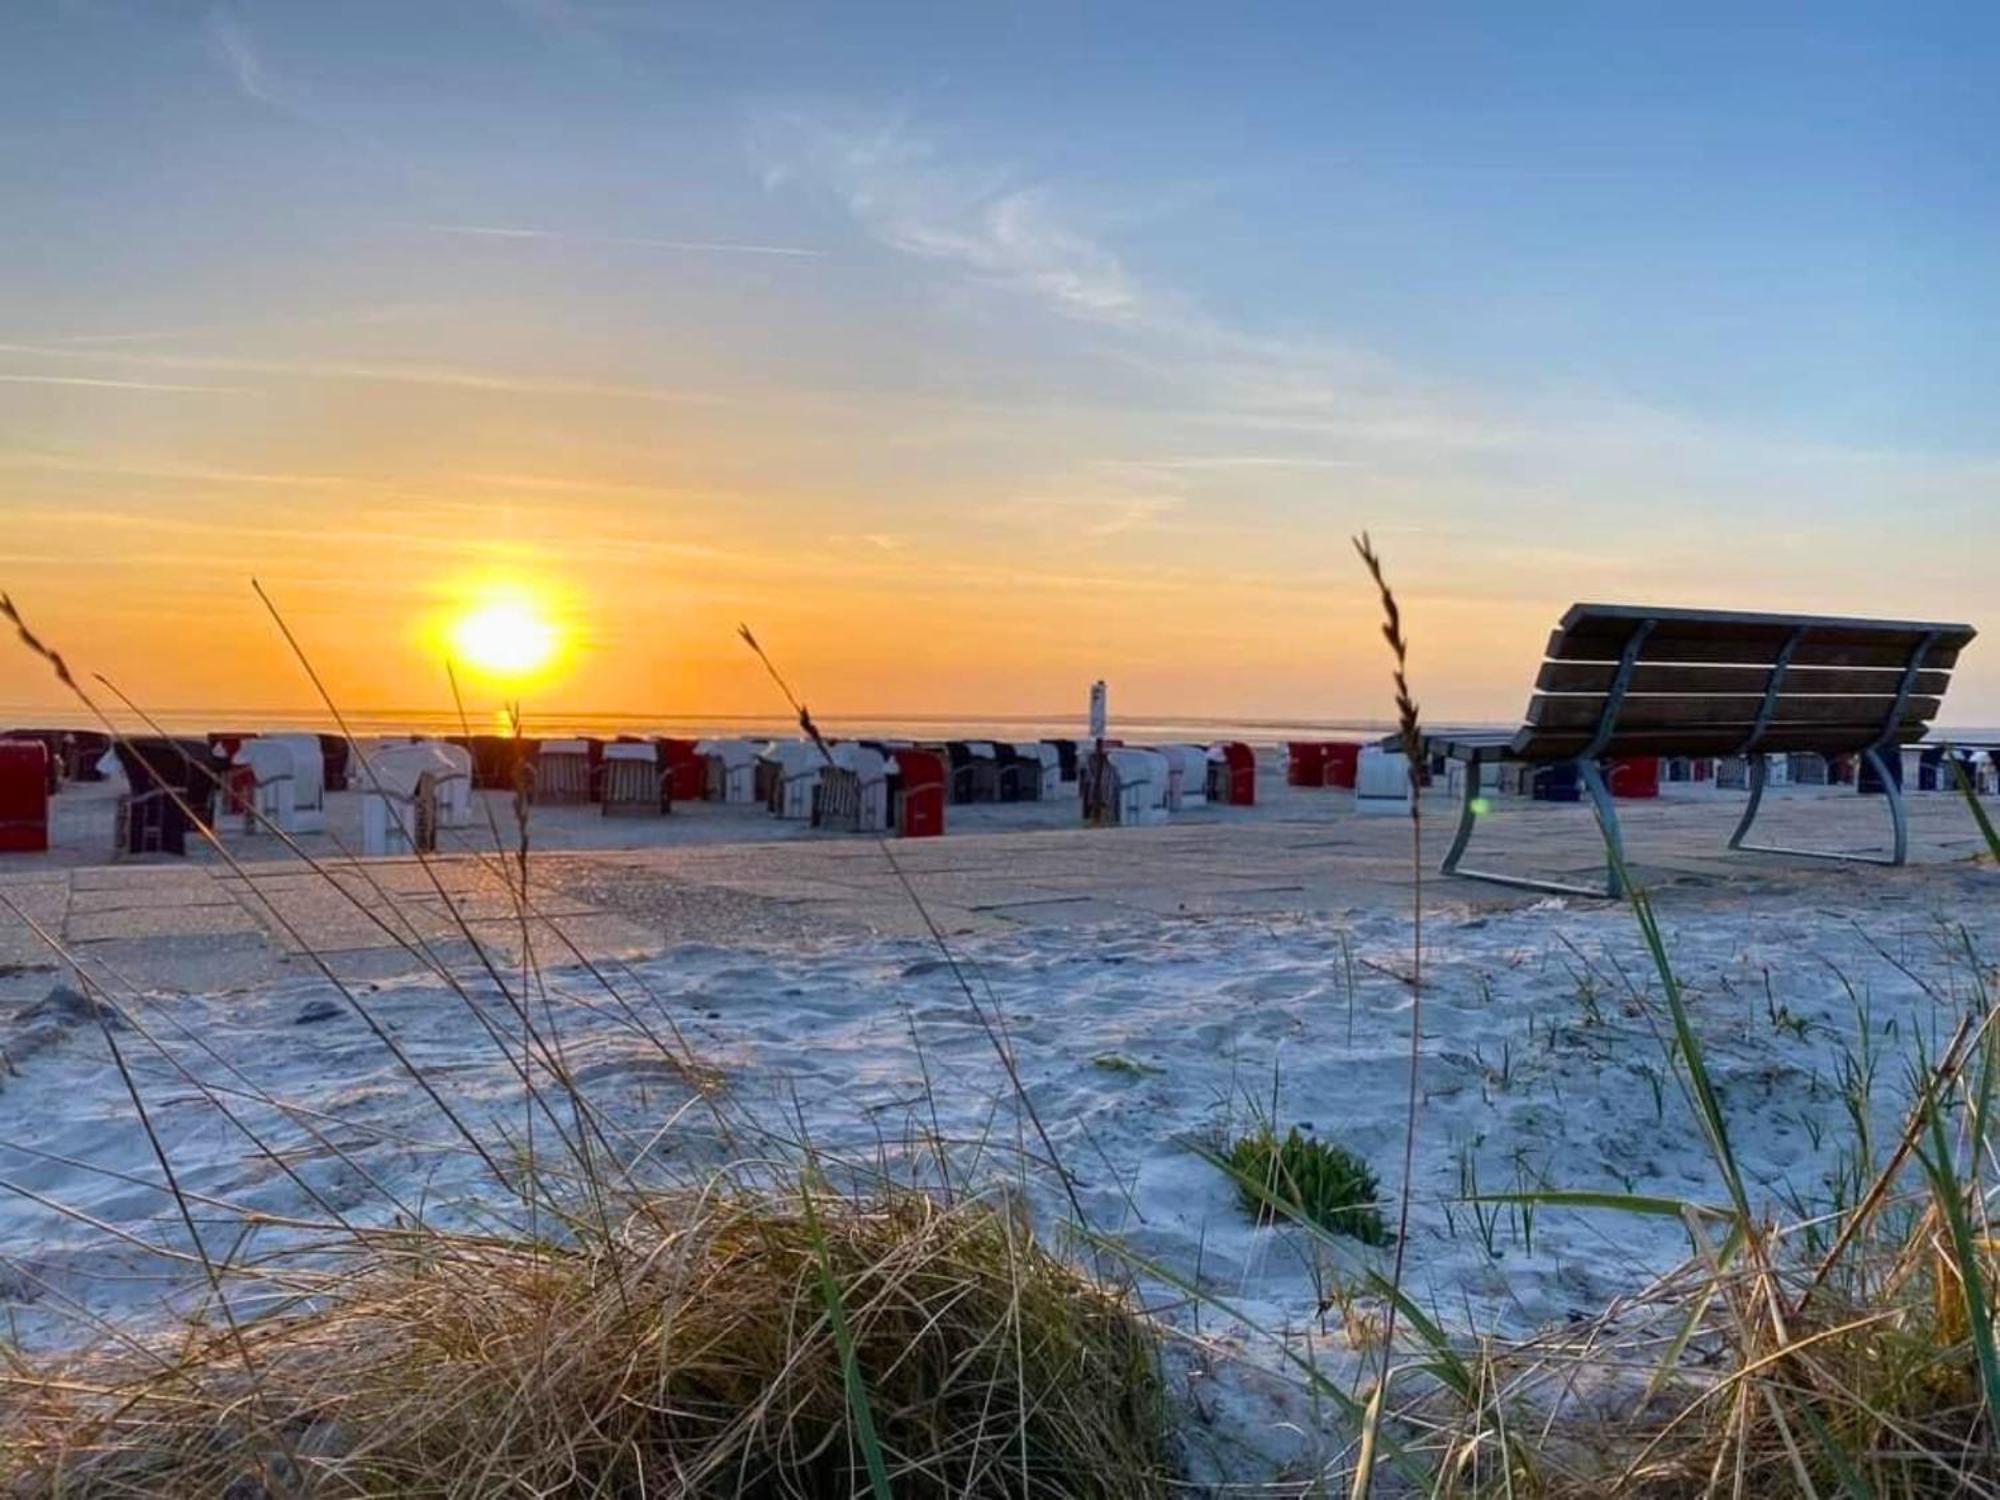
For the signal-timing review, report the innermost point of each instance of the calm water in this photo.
(883, 726)
(886, 726)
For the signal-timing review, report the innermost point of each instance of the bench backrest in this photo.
(1634, 680)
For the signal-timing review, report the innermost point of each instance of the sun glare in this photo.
(504, 638)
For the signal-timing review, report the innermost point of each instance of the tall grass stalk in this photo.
(1410, 733)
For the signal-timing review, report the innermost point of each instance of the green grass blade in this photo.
(1945, 1187)
(843, 1342)
(1836, 1456)
(1446, 1363)
(1630, 1203)
(1971, 795)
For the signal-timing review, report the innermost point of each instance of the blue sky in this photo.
(1096, 329)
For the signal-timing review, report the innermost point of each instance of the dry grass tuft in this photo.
(691, 1356)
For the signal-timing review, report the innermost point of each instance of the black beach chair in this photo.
(173, 784)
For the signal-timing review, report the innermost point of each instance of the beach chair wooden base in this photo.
(633, 789)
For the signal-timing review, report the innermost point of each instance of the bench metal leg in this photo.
(1469, 813)
(1899, 823)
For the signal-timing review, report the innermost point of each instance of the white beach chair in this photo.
(732, 770)
(274, 795)
(855, 789)
(1381, 780)
(796, 766)
(453, 781)
(1049, 759)
(308, 780)
(1187, 776)
(1138, 785)
(399, 800)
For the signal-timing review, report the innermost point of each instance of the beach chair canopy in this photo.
(395, 770)
(794, 756)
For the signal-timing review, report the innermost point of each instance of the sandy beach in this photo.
(1158, 989)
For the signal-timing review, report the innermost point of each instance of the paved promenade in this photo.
(730, 875)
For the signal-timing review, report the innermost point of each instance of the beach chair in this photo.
(1305, 763)
(283, 773)
(686, 771)
(731, 770)
(1232, 774)
(24, 796)
(1623, 680)
(452, 780)
(854, 793)
(920, 793)
(493, 760)
(57, 759)
(958, 758)
(334, 755)
(984, 771)
(1046, 760)
(633, 784)
(170, 790)
(1187, 776)
(1138, 790)
(796, 767)
(400, 798)
(562, 773)
(1381, 780)
(1017, 774)
(1065, 757)
(308, 781)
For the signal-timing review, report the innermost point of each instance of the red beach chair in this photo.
(1305, 763)
(920, 802)
(687, 771)
(24, 797)
(1234, 776)
(1633, 776)
(1343, 764)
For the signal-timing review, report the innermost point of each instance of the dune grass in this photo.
(692, 1354)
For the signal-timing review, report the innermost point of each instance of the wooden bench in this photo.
(1631, 680)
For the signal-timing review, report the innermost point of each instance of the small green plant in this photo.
(1117, 1062)
(1303, 1177)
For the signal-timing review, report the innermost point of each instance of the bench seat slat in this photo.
(1585, 710)
(1595, 677)
(1754, 625)
(1553, 745)
(1605, 646)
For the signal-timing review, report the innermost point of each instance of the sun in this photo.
(506, 637)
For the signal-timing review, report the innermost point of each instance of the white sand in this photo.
(1540, 1054)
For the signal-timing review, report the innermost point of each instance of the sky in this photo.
(969, 353)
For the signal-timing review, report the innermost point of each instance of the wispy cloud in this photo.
(986, 222)
(366, 316)
(93, 383)
(635, 241)
(229, 44)
(372, 372)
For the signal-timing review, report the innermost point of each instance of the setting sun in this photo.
(504, 638)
